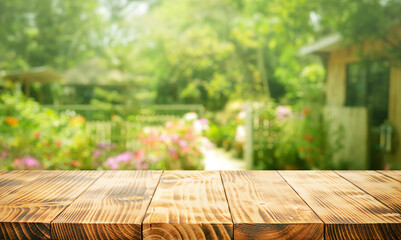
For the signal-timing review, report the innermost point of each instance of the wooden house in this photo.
(363, 107)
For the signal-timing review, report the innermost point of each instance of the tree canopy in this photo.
(189, 51)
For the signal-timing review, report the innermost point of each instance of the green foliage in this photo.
(216, 134)
(34, 137)
(227, 127)
(185, 51)
(47, 32)
(296, 138)
(40, 133)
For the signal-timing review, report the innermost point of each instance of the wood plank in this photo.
(385, 189)
(393, 174)
(12, 180)
(112, 208)
(188, 205)
(26, 213)
(264, 206)
(347, 211)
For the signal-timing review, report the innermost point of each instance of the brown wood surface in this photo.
(26, 212)
(12, 180)
(200, 205)
(188, 205)
(112, 208)
(393, 174)
(382, 187)
(347, 211)
(264, 206)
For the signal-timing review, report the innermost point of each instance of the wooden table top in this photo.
(200, 205)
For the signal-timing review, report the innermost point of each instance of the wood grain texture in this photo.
(188, 205)
(26, 212)
(264, 206)
(393, 174)
(12, 180)
(347, 211)
(385, 189)
(112, 208)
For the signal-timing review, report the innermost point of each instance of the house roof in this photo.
(39, 74)
(97, 72)
(94, 71)
(324, 45)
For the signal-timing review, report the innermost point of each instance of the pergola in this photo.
(34, 75)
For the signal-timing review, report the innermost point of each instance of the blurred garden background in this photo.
(211, 84)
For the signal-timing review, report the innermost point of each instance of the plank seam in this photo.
(324, 224)
(151, 199)
(381, 172)
(364, 190)
(86, 189)
(228, 203)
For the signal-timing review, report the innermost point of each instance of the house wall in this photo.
(357, 125)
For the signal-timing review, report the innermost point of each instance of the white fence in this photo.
(124, 132)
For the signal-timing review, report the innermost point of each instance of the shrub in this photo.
(33, 137)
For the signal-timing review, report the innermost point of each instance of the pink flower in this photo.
(101, 145)
(171, 151)
(183, 143)
(143, 165)
(174, 137)
(3, 155)
(163, 137)
(30, 162)
(113, 162)
(204, 121)
(283, 112)
(58, 143)
(96, 153)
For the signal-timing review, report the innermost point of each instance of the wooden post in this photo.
(40, 93)
(248, 151)
(27, 84)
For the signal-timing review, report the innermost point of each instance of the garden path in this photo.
(218, 159)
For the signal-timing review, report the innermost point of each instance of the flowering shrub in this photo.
(296, 138)
(33, 137)
(176, 145)
(283, 112)
(228, 128)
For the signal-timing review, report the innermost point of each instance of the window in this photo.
(368, 86)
